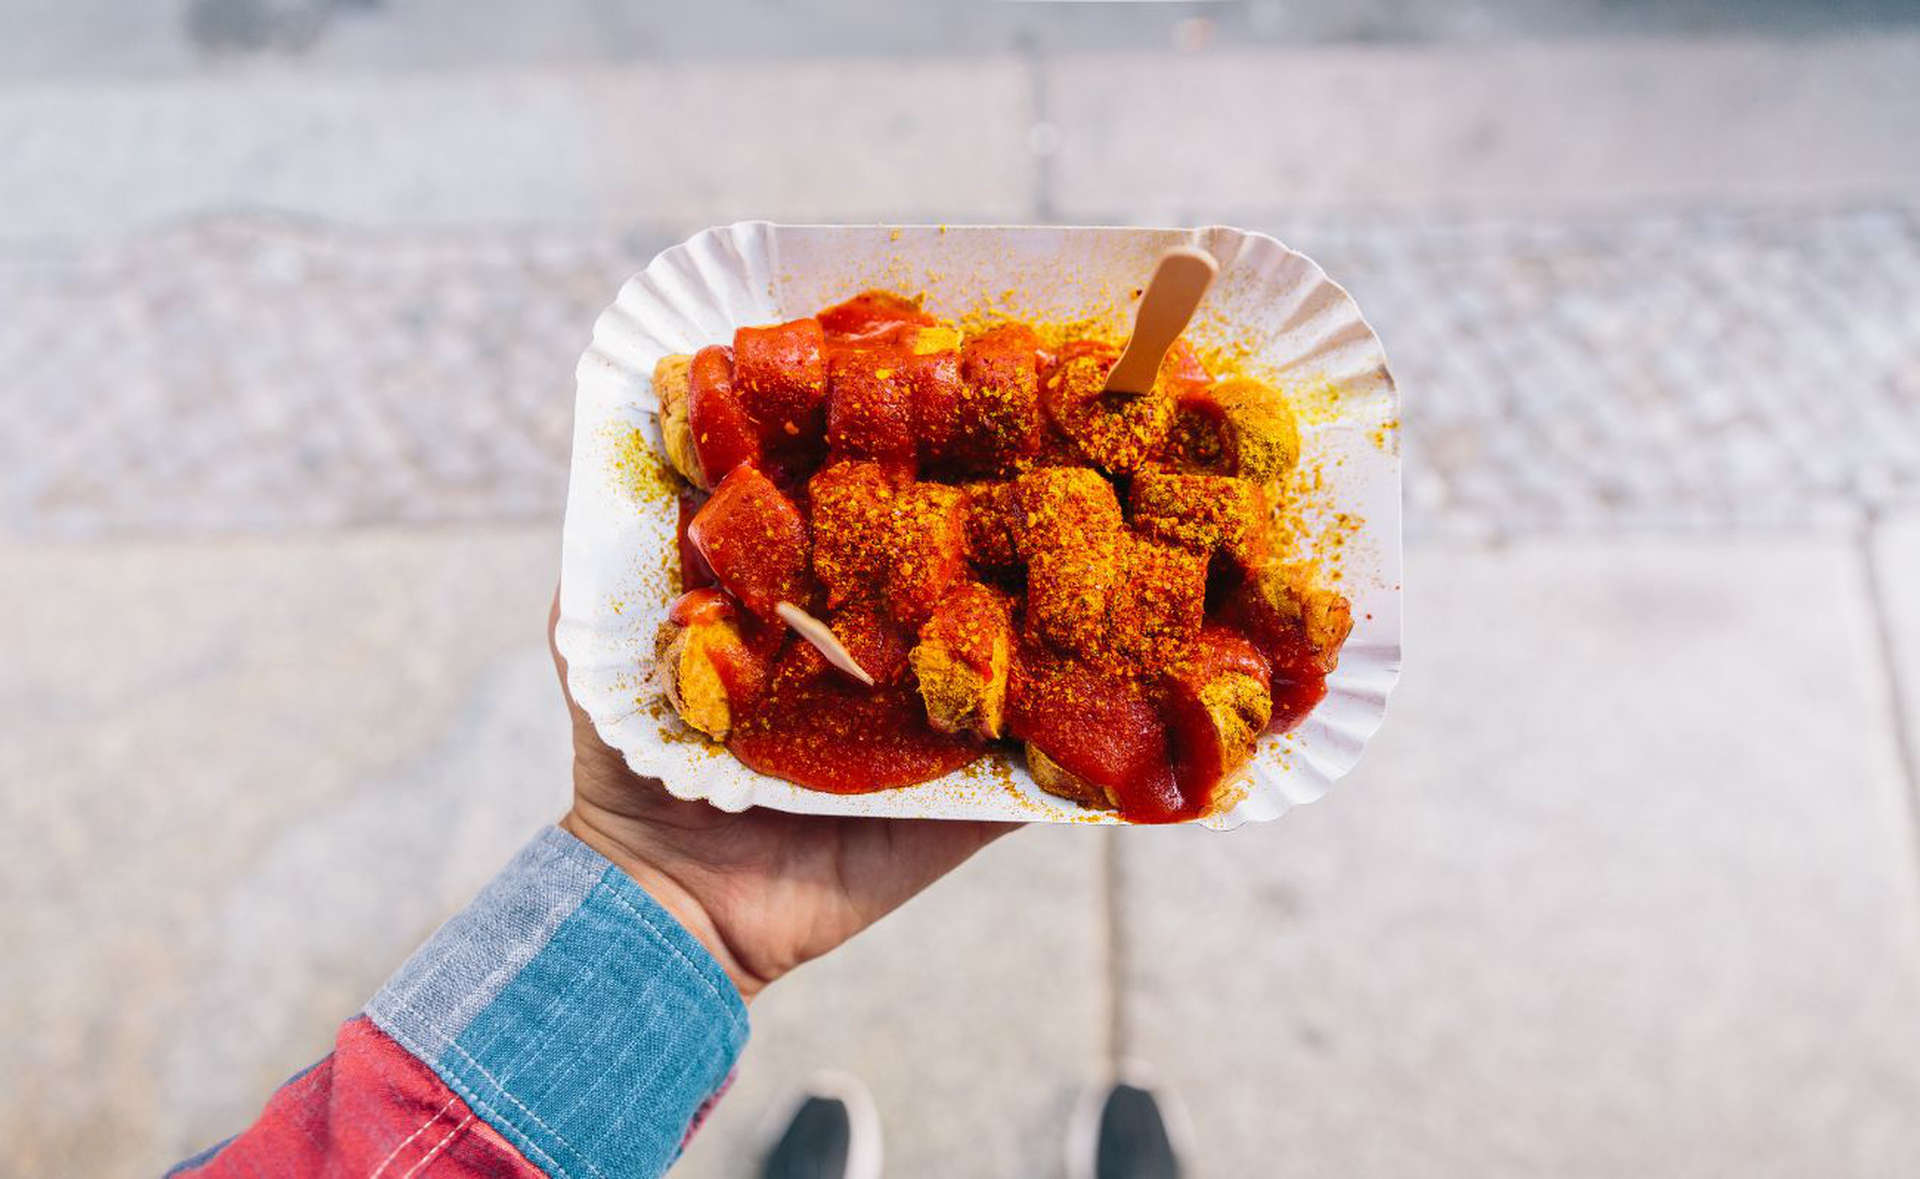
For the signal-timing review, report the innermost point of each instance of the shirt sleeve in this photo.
(562, 1024)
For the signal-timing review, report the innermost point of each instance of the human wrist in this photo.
(680, 902)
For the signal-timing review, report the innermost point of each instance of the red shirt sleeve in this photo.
(368, 1110)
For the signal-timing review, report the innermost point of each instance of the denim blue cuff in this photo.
(572, 1013)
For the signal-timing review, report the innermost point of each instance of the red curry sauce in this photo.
(826, 731)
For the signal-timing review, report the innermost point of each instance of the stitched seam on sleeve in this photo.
(474, 1099)
(388, 1161)
(444, 1143)
(524, 1108)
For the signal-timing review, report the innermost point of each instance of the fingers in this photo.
(986, 832)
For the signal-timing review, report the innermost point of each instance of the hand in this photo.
(763, 890)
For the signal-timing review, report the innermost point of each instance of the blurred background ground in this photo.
(290, 297)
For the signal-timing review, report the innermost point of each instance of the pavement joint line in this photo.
(1898, 691)
(1115, 951)
(1040, 123)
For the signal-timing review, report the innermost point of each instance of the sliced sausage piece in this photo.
(672, 386)
(1058, 780)
(1298, 624)
(755, 541)
(708, 665)
(871, 310)
(781, 372)
(724, 434)
(897, 540)
(1070, 535)
(998, 419)
(1101, 736)
(1218, 702)
(1116, 431)
(1200, 513)
(850, 505)
(870, 409)
(964, 659)
(926, 542)
(876, 642)
(1157, 604)
(1238, 427)
(993, 525)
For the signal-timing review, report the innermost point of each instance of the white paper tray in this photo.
(619, 563)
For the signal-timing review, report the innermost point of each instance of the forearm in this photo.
(563, 1023)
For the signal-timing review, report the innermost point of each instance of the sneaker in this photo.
(833, 1133)
(1125, 1131)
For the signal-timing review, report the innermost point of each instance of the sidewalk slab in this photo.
(1556, 127)
(598, 147)
(851, 140)
(1625, 887)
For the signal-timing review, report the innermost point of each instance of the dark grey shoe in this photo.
(834, 1133)
(1124, 1132)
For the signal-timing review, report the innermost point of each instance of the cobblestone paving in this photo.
(251, 376)
(1704, 371)
(1674, 371)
